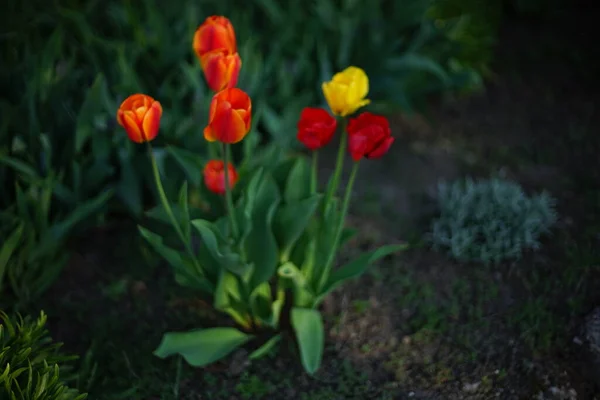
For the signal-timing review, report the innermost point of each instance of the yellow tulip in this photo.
(346, 91)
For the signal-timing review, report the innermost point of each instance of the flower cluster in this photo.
(369, 135)
(282, 236)
(230, 114)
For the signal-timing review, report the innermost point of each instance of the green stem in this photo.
(228, 197)
(169, 211)
(339, 165)
(313, 177)
(340, 227)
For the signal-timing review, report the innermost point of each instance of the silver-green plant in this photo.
(489, 221)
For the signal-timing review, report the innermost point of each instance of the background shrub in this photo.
(489, 221)
(32, 367)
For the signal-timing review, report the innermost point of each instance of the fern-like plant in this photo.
(489, 221)
(29, 362)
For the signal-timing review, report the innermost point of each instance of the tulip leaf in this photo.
(201, 347)
(282, 171)
(357, 267)
(186, 273)
(308, 326)
(297, 186)
(261, 301)
(260, 244)
(291, 220)
(190, 162)
(184, 221)
(227, 285)
(265, 348)
(210, 238)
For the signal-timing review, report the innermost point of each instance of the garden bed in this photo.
(418, 325)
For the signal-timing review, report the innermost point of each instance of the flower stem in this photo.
(339, 164)
(228, 197)
(169, 211)
(313, 177)
(340, 227)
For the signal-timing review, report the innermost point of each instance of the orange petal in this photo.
(215, 70)
(209, 134)
(151, 121)
(120, 117)
(228, 125)
(132, 128)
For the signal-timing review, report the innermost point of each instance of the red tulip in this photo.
(316, 127)
(214, 176)
(140, 115)
(221, 69)
(369, 136)
(229, 117)
(215, 33)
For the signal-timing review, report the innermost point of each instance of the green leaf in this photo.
(91, 105)
(260, 244)
(191, 277)
(184, 221)
(291, 220)
(265, 348)
(190, 162)
(7, 250)
(85, 210)
(20, 167)
(308, 326)
(357, 267)
(226, 286)
(416, 62)
(298, 182)
(226, 259)
(201, 347)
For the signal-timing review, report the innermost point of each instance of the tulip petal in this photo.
(151, 121)
(229, 125)
(132, 128)
(209, 134)
(381, 149)
(357, 145)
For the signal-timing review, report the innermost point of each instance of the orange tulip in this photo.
(215, 33)
(221, 69)
(214, 176)
(140, 115)
(229, 117)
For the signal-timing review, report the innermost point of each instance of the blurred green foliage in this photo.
(67, 65)
(474, 25)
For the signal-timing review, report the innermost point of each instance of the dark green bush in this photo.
(31, 367)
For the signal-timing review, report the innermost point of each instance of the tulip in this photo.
(229, 117)
(215, 33)
(221, 69)
(140, 115)
(214, 176)
(369, 136)
(316, 127)
(346, 92)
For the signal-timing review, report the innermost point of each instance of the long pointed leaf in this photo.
(202, 347)
(308, 325)
(357, 267)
